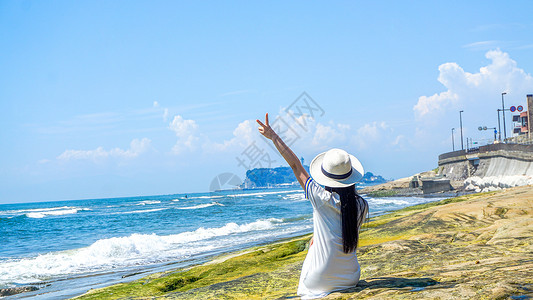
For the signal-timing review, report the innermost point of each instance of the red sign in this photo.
(512, 109)
(519, 108)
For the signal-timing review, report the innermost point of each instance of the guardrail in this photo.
(489, 148)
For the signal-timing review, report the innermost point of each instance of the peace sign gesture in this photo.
(285, 151)
(266, 130)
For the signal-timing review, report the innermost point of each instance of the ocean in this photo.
(68, 247)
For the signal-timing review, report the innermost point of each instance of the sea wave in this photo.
(201, 205)
(298, 218)
(124, 251)
(39, 213)
(295, 197)
(139, 211)
(23, 211)
(387, 201)
(264, 193)
(148, 202)
(207, 197)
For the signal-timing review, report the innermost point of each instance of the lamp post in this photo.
(453, 143)
(503, 113)
(499, 127)
(461, 123)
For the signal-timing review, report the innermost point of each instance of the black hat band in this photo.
(335, 176)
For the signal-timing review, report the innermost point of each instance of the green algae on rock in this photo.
(258, 260)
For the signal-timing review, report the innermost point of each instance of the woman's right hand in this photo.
(266, 130)
(285, 151)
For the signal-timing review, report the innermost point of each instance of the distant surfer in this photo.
(338, 212)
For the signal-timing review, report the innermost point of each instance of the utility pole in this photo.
(503, 113)
(453, 142)
(461, 123)
(499, 127)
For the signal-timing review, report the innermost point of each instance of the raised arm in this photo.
(289, 156)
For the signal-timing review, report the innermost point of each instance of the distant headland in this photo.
(283, 176)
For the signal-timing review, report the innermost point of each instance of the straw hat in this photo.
(336, 168)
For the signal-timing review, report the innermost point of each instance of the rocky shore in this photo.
(475, 246)
(403, 187)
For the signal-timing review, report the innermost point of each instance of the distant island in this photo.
(283, 176)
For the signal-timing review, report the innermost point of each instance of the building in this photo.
(521, 121)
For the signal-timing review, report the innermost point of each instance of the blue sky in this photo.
(122, 98)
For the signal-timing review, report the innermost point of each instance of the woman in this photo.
(338, 212)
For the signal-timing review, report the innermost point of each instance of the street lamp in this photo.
(499, 127)
(461, 123)
(503, 113)
(453, 143)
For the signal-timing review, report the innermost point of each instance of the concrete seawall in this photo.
(490, 160)
(490, 167)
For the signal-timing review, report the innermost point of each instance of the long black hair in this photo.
(354, 210)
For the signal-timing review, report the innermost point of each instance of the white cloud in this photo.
(243, 135)
(474, 91)
(190, 137)
(156, 104)
(370, 137)
(372, 134)
(436, 102)
(187, 133)
(329, 136)
(372, 131)
(137, 147)
(306, 136)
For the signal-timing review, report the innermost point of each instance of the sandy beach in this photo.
(476, 246)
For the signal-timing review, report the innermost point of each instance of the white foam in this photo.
(207, 197)
(148, 202)
(384, 201)
(23, 211)
(138, 211)
(201, 205)
(53, 212)
(295, 197)
(126, 251)
(265, 193)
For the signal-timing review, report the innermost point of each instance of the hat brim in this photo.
(315, 168)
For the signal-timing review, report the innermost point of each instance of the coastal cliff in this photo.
(471, 247)
(280, 176)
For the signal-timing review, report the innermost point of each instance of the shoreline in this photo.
(76, 284)
(466, 247)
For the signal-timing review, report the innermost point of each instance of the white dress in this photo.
(326, 267)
